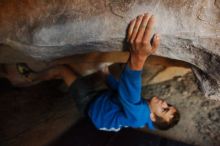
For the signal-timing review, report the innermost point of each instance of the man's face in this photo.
(160, 108)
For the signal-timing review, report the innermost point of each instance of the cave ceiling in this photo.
(45, 30)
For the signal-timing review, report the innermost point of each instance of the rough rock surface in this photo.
(200, 117)
(46, 30)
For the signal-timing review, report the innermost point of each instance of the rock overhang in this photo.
(47, 30)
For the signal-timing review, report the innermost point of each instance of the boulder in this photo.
(45, 30)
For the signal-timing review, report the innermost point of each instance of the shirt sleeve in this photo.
(112, 82)
(129, 91)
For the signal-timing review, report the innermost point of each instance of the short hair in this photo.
(161, 124)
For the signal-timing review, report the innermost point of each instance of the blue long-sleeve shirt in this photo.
(122, 105)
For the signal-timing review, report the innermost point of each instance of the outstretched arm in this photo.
(139, 36)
